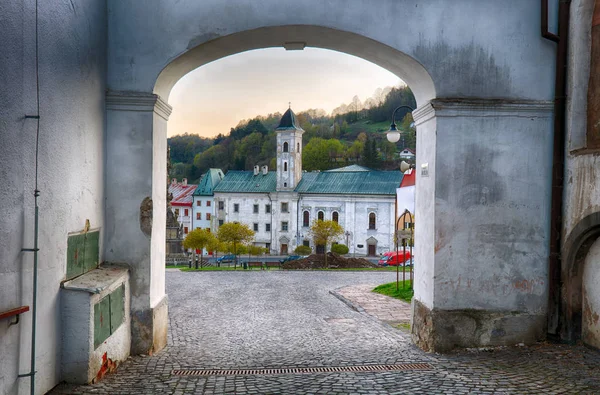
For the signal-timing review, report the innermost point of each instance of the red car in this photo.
(394, 258)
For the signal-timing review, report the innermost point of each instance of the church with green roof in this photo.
(281, 204)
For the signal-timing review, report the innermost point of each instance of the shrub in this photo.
(303, 250)
(339, 249)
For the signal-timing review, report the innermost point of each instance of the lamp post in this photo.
(393, 135)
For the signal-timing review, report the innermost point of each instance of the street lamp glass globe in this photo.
(393, 136)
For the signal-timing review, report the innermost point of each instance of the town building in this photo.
(182, 203)
(281, 205)
(202, 203)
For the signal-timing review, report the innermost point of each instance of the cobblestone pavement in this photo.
(265, 319)
(359, 297)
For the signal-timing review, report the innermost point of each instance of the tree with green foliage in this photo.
(199, 239)
(237, 234)
(324, 231)
(320, 154)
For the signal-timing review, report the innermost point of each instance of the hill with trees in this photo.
(352, 134)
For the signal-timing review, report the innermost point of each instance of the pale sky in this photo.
(215, 97)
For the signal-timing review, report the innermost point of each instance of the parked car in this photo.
(226, 258)
(291, 258)
(394, 258)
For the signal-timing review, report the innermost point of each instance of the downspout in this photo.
(272, 228)
(36, 194)
(558, 160)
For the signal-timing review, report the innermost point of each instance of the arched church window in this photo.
(297, 147)
(320, 216)
(285, 147)
(372, 220)
(335, 216)
(284, 166)
(305, 218)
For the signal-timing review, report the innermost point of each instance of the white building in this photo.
(281, 205)
(202, 206)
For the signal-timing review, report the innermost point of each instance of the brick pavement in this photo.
(265, 319)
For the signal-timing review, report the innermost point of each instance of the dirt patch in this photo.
(334, 261)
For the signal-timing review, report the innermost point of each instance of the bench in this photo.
(255, 264)
(272, 264)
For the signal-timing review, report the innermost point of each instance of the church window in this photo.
(267, 208)
(335, 216)
(305, 218)
(284, 166)
(372, 220)
(267, 227)
(297, 147)
(320, 216)
(255, 227)
(255, 211)
(236, 208)
(284, 207)
(284, 226)
(285, 147)
(198, 215)
(221, 205)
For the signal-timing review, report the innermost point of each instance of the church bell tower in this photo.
(289, 152)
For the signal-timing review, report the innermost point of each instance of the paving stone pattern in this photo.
(384, 308)
(263, 319)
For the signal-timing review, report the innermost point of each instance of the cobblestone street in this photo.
(279, 319)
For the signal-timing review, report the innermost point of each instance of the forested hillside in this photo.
(352, 134)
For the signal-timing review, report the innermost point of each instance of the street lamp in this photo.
(393, 135)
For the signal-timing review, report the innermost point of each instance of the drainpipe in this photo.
(272, 228)
(36, 194)
(558, 159)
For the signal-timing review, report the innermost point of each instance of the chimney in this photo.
(256, 170)
(265, 170)
(184, 182)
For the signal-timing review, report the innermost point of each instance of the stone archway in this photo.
(578, 254)
(483, 125)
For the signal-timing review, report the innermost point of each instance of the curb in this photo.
(353, 306)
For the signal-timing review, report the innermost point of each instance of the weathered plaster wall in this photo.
(146, 39)
(581, 206)
(582, 173)
(72, 71)
(591, 297)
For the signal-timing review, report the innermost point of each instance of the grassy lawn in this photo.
(389, 289)
(217, 269)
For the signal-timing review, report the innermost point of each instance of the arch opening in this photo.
(577, 307)
(391, 59)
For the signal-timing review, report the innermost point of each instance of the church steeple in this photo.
(289, 152)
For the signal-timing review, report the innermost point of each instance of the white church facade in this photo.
(281, 205)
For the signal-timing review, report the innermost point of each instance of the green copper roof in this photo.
(208, 182)
(247, 182)
(288, 121)
(351, 182)
(350, 168)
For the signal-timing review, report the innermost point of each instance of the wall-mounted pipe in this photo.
(36, 194)
(558, 159)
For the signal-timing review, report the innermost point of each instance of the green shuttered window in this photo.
(83, 252)
(109, 313)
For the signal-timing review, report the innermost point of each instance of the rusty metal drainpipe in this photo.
(558, 160)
